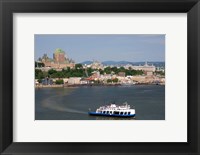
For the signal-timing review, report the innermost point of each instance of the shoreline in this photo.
(48, 86)
(91, 85)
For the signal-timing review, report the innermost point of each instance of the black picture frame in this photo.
(8, 7)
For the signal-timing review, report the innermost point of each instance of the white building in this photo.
(146, 67)
(74, 80)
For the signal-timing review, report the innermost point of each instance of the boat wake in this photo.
(51, 104)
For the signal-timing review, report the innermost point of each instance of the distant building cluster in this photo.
(95, 65)
(59, 61)
(122, 80)
(145, 67)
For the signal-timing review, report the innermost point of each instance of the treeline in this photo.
(79, 71)
(115, 70)
(160, 73)
(115, 80)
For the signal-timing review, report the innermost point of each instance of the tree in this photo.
(122, 69)
(60, 74)
(39, 74)
(115, 80)
(101, 71)
(109, 81)
(59, 81)
(107, 70)
(78, 66)
(115, 70)
(68, 69)
(90, 70)
(52, 71)
(162, 73)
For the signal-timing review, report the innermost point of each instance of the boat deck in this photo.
(111, 115)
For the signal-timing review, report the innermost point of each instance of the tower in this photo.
(59, 56)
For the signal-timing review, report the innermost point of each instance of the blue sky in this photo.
(134, 48)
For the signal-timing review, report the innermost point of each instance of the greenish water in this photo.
(73, 103)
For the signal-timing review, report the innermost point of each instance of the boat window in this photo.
(129, 113)
(125, 113)
(121, 113)
(110, 112)
(104, 112)
(107, 112)
(116, 112)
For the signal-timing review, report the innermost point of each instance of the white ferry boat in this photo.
(115, 110)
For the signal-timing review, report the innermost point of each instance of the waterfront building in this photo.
(65, 80)
(149, 73)
(138, 78)
(84, 81)
(122, 74)
(59, 61)
(74, 80)
(47, 81)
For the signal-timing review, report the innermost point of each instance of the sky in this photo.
(80, 48)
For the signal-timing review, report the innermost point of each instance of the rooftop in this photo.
(58, 50)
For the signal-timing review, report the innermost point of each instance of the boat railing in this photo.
(125, 106)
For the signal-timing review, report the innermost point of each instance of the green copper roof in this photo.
(58, 50)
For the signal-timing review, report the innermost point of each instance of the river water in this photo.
(73, 103)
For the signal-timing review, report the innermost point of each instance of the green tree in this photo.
(39, 74)
(101, 71)
(78, 66)
(107, 70)
(60, 74)
(160, 73)
(122, 69)
(59, 81)
(115, 70)
(90, 70)
(52, 71)
(115, 80)
(109, 80)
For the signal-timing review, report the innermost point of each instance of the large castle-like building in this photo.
(59, 61)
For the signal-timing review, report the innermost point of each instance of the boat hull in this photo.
(110, 115)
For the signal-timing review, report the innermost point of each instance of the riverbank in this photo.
(48, 86)
(89, 85)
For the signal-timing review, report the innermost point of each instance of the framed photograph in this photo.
(79, 76)
(90, 85)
